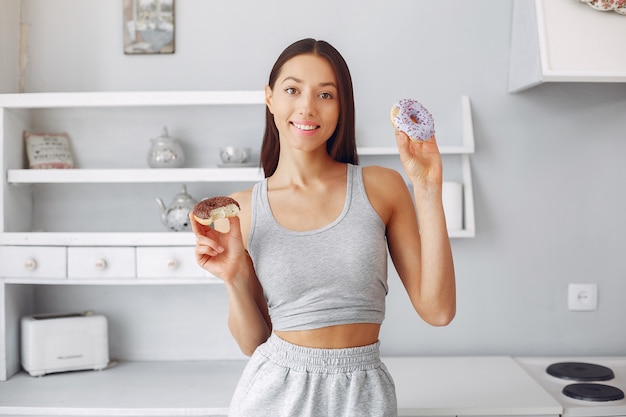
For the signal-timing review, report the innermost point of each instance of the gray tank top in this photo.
(333, 275)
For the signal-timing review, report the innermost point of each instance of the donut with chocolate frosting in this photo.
(214, 208)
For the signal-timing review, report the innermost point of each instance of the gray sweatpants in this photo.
(282, 379)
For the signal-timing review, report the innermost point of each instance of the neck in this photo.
(303, 167)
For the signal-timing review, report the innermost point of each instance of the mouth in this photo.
(307, 127)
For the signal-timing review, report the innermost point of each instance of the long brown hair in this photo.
(342, 144)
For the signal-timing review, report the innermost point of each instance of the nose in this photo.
(306, 104)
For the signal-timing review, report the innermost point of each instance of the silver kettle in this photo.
(176, 216)
(166, 152)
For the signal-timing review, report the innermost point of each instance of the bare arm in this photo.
(248, 319)
(223, 254)
(421, 254)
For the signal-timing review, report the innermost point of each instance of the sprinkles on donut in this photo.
(410, 117)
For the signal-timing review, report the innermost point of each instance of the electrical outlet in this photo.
(582, 297)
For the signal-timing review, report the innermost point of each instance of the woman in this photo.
(305, 262)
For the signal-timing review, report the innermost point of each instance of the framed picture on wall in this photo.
(149, 27)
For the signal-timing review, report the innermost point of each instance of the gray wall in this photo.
(9, 45)
(549, 172)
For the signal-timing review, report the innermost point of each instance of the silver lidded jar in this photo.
(165, 152)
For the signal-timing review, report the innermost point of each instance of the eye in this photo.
(326, 96)
(291, 90)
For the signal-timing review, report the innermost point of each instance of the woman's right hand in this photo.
(220, 253)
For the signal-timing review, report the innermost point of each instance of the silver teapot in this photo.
(176, 215)
(165, 152)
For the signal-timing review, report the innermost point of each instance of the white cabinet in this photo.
(564, 41)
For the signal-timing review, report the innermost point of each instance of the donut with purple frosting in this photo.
(412, 118)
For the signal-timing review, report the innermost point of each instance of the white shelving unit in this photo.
(564, 41)
(17, 176)
(43, 221)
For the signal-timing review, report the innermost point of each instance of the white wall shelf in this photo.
(97, 239)
(117, 281)
(564, 41)
(131, 99)
(111, 176)
(68, 176)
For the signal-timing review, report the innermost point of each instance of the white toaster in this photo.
(64, 342)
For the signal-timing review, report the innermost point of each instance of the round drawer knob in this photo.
(100, 264)
(30, 264)
(172, 264)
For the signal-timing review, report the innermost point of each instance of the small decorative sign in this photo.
(48, 150)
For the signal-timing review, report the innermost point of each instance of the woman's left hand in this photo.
(421, 159)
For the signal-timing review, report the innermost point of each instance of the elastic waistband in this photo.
(316, 360)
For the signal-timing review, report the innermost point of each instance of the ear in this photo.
(268, 98)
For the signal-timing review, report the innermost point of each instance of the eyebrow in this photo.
(299, 81)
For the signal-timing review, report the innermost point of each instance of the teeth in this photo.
(305, 127)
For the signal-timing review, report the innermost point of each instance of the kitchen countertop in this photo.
(467, 386)
(426, 386)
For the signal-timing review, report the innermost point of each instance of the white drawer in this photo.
(101, 262)
(168, 262)
(33, 262)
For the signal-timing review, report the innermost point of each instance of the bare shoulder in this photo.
(385, 188)
(244, 198)
(382, 175)
(381, 180)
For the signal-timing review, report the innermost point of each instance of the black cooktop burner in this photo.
(579, 371)
(593, 392)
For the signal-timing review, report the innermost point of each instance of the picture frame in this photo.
(149, 27)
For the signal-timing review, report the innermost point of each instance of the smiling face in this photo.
(304, 102)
